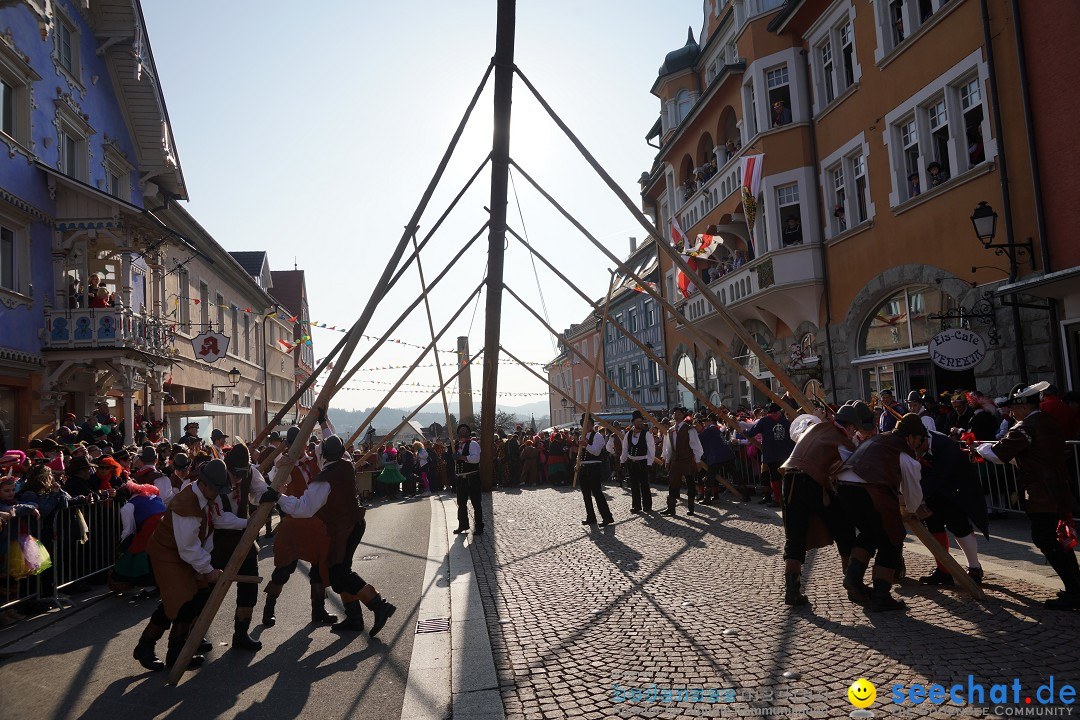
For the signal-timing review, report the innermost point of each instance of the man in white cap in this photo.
(1036, 445)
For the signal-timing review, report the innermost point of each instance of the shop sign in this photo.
(957, 349)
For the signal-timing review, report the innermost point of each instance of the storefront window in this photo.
(685, 368)
(7, 419)
(902, 322)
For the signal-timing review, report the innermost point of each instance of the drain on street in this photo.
(433, 625)
(370, 557)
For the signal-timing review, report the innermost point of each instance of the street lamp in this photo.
(234, 378)
(984, 220)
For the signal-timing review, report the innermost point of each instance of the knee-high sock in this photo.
(970, 545)
(943, 538)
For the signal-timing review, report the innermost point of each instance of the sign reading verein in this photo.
(957, 349)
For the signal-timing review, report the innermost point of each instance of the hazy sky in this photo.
(312, 135)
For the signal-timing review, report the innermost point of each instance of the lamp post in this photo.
(234, 378)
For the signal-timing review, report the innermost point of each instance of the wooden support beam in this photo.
(591, 391)
(942, 556)
(434, 346)
(423, 353)
(665, 247)
(710, 342)
(556, 388)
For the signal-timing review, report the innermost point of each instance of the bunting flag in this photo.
(678, 240)
(638, 288)
(751, 186)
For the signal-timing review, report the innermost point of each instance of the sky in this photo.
(313, 135)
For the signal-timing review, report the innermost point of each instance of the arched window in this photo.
(714, 376)
(902, 321)
(685, 368)
(683, 103)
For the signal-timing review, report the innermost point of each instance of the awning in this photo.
(1050, 285)
(654, 131)
(206, 409)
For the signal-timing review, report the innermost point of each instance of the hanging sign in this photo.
(957, 349)
(210, 346)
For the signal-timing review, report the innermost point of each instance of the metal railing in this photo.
(107, 328)
(82, 542)
(1001, 487)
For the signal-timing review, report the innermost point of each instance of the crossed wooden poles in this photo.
(346, 346)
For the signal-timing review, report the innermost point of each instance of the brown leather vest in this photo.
(185, 504)
(877, 460)
(341, 512)
(681, 450)
(817, 453)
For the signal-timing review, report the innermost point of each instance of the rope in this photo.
(525, 232)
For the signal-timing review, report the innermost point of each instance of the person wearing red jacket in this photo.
(1066, 416)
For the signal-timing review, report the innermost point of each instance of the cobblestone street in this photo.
(695, 602)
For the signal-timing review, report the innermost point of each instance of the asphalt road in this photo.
(303, 670)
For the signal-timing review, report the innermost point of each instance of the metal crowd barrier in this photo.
(85, 541)
(1002, 489)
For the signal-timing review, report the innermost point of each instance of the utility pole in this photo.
(500, 170)
(465, 406)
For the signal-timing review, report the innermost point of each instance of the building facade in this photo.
(624, 362)
(874, 128)
(290, 290)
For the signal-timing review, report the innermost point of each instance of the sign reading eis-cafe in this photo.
(957, 349)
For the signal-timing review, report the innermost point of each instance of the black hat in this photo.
(915, 396)
(275, 436)
(216, 475)
(148, 455)
(35, 444)
(290, 434)
(49, 445)
(636, 415)
(680, 409)
(333, 448)
(78, 464)
(466, 427)
(888, 391)
(910, 424)
(191, 425)
(238, 459)
(774, 408)
(217, 434)
(190, 440)
(181, 461)
(1022, 394)
(122, 455)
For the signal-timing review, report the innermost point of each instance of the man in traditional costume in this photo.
(682, 454)
(638, 454)
(331, 497)
(467, 460)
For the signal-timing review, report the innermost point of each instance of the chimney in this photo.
(633, 245)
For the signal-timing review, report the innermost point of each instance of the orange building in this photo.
(878, 127)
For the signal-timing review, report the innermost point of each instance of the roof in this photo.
(787, 11)
(683, 58)
(251, 260)
(654, 131)
(288, 289)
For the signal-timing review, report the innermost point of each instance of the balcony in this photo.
(784, 285)
(108, 329)
(727, 180)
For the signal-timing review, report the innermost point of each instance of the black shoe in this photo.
(707, 501)
(354, 618)
(461, 530)
(938, 577)
(382, 611)
(478, 531)
(792, 591)
(1064, 601)
(764, 500)
(193, 664)
(609, 521)
(670, 512)
(144, 653)
(690, 510)
(976, 574)
(881, 600)
(635, 511)
(240, 638)
(205, 646)
(591, 521)
(268, 618)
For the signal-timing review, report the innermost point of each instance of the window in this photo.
(117, 181)
(787, 201)
(622, 377)
(828, 70)
(577, 390)
(72, 145)
(839, 200)
(221, 313)
(585, 389)
(183, 302)
(654, 373)
(862, 190)
(683, 103)
(247, 337)
(599, 385)
(902, 321)
(751, 109)
(631, 320)
(66, 52)
(14, 262)
(939, 143)
(971, 106)
(204, 303)
(596, 345)
(17, 80)
(847, 51)
(8, 259)
(846, 186)
(909, 141)
(898, 20)
(776, 80)
(650, 313)
(685, 368)
(635, 375)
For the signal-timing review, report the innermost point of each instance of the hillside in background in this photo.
(345, 421)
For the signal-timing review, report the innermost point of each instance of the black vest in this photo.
(639, 448)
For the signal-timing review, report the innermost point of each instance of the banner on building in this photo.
(210, 346)
(751, 186)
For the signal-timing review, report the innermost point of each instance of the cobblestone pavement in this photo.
(696, 602)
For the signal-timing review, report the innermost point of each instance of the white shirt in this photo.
(307, 504)
(186, 533)
(910, 481)
(594, 448)
(650, 445)
(672, 437)
(471, 452)
(258, 487)
(127, 521)
(165, 488)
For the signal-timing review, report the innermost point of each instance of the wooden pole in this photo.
(431, 327)
(375, 411)
(595, 367)
(386, 438)
(711, 343)
(500, 172)
(299, 446)
(706, 292)
(942, 556)
(401, 318)
(622, 393)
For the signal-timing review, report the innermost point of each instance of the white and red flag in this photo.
(751, 186)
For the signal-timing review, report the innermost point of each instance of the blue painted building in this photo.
(89, 158)
(625, 362)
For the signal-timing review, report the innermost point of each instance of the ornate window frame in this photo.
(115, 163)
(73, 75)
(22, 291)
(17, 73)
(70, 120)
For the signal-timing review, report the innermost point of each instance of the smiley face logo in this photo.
(862, 693)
